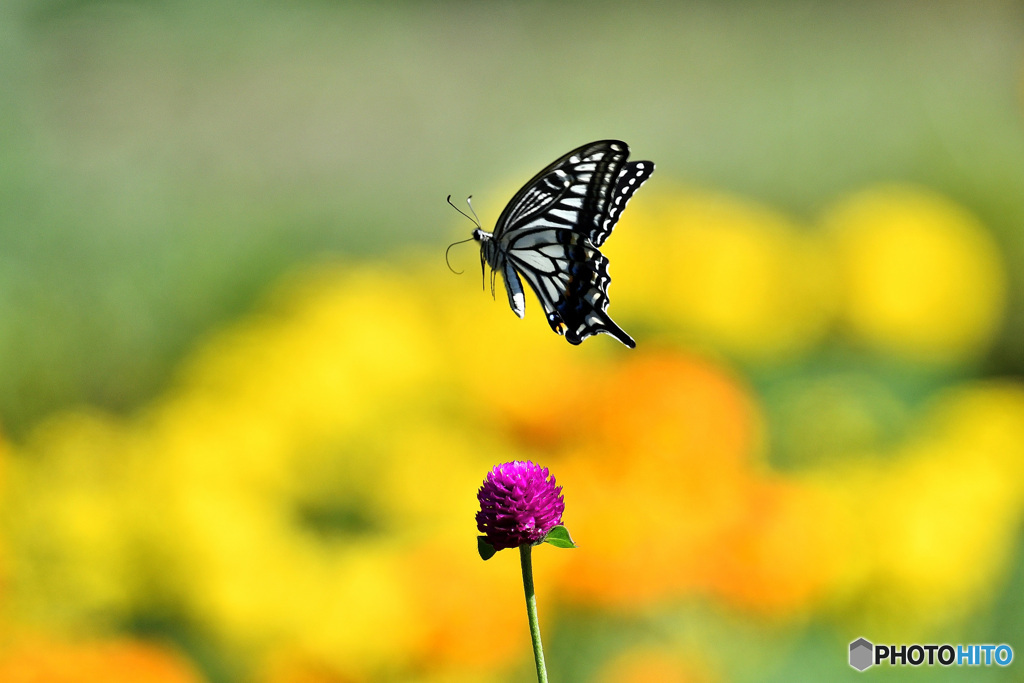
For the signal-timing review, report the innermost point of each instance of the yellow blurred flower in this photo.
(322, 492)
(309, 457)
(922, 278)
(722, 271)
(285, 494)
(927, 533)
(78, 557)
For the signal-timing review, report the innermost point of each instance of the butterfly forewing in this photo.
(551, 230)
(534, 199)
(574, 191)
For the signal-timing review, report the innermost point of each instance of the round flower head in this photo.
(519, 504)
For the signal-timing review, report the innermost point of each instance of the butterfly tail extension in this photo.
(605, 326)
(620, 334)
(584, 307)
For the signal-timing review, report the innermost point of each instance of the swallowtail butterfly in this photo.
(550, 233)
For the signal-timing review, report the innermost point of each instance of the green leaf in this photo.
(485, 549)
(559, 537)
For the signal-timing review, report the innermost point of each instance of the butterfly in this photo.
(550, 234)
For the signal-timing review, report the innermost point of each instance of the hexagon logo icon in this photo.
(861, 654)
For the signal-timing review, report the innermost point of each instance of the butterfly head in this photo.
(487, 255)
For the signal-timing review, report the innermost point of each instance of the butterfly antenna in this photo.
(469, 200)
(457, 272)
(476, 221)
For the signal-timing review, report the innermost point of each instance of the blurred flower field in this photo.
(246, 408)
(299, 506)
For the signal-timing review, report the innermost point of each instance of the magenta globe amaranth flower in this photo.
(520, 506)
(519, 503)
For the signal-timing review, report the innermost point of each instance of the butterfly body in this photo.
(550, 234)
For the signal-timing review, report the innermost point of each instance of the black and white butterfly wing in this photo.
(551, 230)
(570, 278)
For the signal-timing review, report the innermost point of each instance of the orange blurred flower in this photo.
(449, 587)
(658, 473)
(653, 665)
(117, 661)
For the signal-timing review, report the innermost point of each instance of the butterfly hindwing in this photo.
(570, 277)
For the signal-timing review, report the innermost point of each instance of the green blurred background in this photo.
(169, 170)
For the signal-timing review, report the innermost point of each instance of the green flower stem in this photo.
(531, 610)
